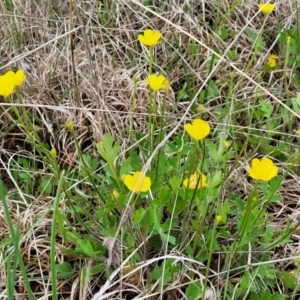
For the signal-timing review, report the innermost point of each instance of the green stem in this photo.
(188, 212)
(209, 257)
(53, 238)
(247, 214)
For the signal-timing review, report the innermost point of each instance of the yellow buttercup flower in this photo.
(157, 82)
(272, 60)
(198, 130)
(263, 169)
(138, 182)
(150, 37)
(298, 132)
(6, 85)
(192, 181)
(266, 8)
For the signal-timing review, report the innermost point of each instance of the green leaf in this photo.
(72, 236)
(138, 215)
(268, 234)
(194, 48)
(233, 54)
(267, 108)
(223, 33)
(290, 279)
(193, 291)
(168, 238)
(215, 180)
(296, 104)
(163, 196)
(91, 162)
(181, 94)
(46, 186)
(153, 217)
(175, 183)
(64, 270)
(213, 152)
(85, 247)
(256, 40)
(109, 150)
(25, 178)
(266, 295)
(169, 270)
(125, 167)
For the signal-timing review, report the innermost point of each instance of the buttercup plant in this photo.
(156, 82)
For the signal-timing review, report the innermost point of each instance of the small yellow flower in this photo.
(219, 219)
(266, 8)
(288, 39)
(192, 181)
(70, 125)
(272, 60)
(6, 85)
(53, 152)
(158, 82)
(138, 182)
(101, 144)
(198, 130)
(150, 37)
(263, 169)
(298, 132)
(115, 194)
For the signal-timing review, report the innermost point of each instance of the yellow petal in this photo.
(189, 129)
(203, 181)
(6, 85)
(19, 77)
(252, 174)
(266, 8)
(146, 184)
(192, 181)
(128, 181)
